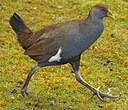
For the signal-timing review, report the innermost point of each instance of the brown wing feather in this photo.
(41, 44)
(42, 47)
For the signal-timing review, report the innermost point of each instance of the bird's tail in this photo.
(21, 29)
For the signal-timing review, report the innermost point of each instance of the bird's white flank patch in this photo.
(56, 57)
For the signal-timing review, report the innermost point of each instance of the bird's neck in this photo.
(94, 19)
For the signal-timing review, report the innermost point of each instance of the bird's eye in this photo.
(102, 9)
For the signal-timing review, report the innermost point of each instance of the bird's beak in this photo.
(109, 14)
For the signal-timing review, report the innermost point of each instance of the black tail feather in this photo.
(23, 32)
(16, 22)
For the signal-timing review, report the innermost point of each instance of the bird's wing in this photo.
(44, 46)
(52, 38)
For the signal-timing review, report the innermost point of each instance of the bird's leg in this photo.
(100, 94)
(24, 88)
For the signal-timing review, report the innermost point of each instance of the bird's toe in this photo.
(24, 93)
(101, 95)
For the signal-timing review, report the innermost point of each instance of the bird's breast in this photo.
(90, 34)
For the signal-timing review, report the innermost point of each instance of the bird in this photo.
(62, 43)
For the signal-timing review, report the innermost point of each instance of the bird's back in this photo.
(55, 34)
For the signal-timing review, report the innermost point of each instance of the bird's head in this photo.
(100, 11)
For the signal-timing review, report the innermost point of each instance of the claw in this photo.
(72, 71)
(98, 94)
(95, 93)
(19, 86)
(24, 93)
(101, 95)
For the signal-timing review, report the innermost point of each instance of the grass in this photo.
(56, 87)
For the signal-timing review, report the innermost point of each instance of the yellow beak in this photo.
(109, 14)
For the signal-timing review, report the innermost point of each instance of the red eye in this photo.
(101, 9)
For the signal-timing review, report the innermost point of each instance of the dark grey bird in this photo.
(62, 43)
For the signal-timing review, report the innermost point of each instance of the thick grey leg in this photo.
(101, 95)
(32, 71)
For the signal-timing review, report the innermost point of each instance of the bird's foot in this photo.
(72, 71)
(24, 93)
(101, 95)
(19, 86)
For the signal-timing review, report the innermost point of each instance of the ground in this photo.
(56, 87)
